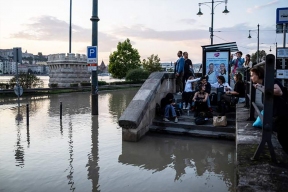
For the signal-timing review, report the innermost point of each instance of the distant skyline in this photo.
(154, 26)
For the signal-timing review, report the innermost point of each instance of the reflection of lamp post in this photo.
(257, 41)
(212, 14)
(70, 26)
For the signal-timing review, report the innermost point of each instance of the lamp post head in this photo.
(249, 37)
(199, 13)
(225, 10)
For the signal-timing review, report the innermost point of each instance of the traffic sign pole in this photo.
(94, 76)
(284, 44)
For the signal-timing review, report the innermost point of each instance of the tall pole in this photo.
(284, 45)
(70, 27)
(212, 22)
(94, 77)
(258, 44)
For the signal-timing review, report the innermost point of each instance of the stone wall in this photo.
(138, 116)
(66, 69)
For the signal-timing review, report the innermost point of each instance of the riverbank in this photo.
(48, 91)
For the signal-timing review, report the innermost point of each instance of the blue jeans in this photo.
(169, 108)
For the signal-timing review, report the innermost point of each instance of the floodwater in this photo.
(86, 153)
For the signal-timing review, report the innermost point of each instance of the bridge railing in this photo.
(267, 117)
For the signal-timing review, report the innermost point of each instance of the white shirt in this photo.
(217, 85)
(188, 85)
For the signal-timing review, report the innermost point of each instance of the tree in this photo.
(152, 64)
(27, 80)
(123, 60)
(261, 55)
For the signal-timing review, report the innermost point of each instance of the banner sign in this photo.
(217, 64)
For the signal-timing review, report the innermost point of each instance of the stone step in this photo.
(230, 128)
(191, 132)
(190, 117)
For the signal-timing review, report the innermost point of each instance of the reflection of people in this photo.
(211, 74)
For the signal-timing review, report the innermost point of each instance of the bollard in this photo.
(27, 114)
(60, 110)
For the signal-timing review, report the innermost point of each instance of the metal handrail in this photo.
(267, 117)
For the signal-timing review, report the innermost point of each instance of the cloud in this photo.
(188, 21)
(257, 7)
(141, 32)
(48, 28)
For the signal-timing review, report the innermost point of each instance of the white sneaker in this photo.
(176, 120)
(188, 106)
(179, 93)
(184, 106)
(165, 119)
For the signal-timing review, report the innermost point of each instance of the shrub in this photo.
(53, 85)
(73, 84)
(102, 83)
(83, 84)
(136, 75)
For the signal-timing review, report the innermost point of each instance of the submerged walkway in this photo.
(260, 175)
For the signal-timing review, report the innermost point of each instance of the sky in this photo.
(159, 27)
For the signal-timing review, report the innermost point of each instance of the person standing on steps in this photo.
(188, 93)
(188, 68)
(179, 73)
(237, 64)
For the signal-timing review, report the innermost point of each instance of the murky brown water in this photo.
(84, 153)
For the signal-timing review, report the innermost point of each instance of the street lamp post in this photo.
(211, 30)
(257, 41)
(70, 27)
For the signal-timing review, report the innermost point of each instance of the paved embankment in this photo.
(261, 175)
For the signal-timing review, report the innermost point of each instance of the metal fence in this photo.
(267, 117)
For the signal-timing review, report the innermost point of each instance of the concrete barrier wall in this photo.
(139, 114)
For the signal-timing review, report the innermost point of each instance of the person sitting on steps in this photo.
(237, 95)
(188, 92)
(200, 101)
(168, 104)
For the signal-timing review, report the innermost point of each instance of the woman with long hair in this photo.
(248, 62)
(200, 100)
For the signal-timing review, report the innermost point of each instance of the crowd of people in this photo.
(196, 92)
(197, 96)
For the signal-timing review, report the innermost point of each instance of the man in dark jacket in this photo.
(188, 68)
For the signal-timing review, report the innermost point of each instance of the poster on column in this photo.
(217, 64)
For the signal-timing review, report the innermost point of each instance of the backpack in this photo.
(213, 98)
(200, 120)
(158, 110)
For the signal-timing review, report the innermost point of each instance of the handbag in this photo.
(219, 121)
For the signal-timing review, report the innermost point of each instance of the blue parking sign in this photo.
(91, 54)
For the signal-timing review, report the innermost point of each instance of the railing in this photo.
(267, 117)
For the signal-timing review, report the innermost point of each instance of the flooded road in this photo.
(85, 153)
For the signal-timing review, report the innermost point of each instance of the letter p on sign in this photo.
(92, 54)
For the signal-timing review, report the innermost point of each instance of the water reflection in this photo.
(19, 151)
(68, 154)
(210, 156)
(70, 149)
(118, 101)
(93, 157)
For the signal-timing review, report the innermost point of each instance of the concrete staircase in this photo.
(186, 126)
